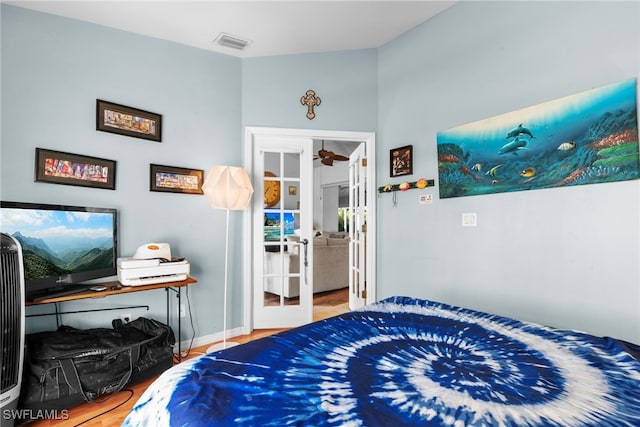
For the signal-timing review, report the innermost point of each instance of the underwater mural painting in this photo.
(586, 138)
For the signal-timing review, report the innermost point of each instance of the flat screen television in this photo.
(272, 225)
(62, 246)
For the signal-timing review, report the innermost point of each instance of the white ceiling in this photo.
(273, 27)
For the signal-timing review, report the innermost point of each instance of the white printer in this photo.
(152, 263)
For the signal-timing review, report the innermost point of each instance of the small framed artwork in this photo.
(73, 169)
(293, 190)
(401, 161)
(171, 179)
(123, 120)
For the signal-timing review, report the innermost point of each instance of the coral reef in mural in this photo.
(588, 138)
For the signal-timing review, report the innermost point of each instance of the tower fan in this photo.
(11, 326)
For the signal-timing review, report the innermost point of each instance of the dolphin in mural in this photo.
(519, 131)
(514, 146)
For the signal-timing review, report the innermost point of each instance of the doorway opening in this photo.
(329, 166)
(331, 217)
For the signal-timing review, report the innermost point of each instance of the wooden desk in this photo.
(168, 286)
(109, 291)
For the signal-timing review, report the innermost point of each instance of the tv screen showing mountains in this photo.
(41, 261)
(56, 243)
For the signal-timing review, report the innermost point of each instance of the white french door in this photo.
(282, 227)
(358, 228)
(277, 271)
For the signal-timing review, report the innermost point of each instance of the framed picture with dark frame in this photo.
(74, 169)
(123, 120)
(401, 161)
(171, 179)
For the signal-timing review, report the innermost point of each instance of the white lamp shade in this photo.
(228, 187)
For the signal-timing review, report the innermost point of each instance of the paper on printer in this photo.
(152, 263)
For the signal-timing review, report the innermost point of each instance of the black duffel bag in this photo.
(70, 366)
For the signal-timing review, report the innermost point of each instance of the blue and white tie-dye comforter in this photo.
(403, 362)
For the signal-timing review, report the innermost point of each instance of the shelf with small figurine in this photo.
(404, 186)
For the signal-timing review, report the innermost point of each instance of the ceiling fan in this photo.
(328, 157)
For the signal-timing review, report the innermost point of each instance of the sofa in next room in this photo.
(330, 264)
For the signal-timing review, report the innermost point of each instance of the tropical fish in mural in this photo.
(494, 170)
(566, 146)
(514, 146)
(477, 167)
(528, 172)
(519, 131)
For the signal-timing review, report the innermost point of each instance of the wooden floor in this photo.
(113, 411)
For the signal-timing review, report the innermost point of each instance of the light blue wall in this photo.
(567, 257)
(53, 69)
(346, 83)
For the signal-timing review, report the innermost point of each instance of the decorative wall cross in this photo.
(310, 100)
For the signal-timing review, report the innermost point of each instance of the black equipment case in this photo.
(70, 366)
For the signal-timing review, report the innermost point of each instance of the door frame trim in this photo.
(367, 137)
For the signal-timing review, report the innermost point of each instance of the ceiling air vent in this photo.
(233, 42)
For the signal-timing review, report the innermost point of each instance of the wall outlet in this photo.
(470, 219)
(183, 310)
(425, 199)
(126, 318)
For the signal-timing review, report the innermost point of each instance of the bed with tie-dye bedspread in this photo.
(404, 362)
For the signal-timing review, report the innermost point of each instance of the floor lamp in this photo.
(228, 188)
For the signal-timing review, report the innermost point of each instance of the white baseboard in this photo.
(209, 339)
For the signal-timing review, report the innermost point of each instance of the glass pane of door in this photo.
(280, 230)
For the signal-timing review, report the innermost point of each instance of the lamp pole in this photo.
(227, 188)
